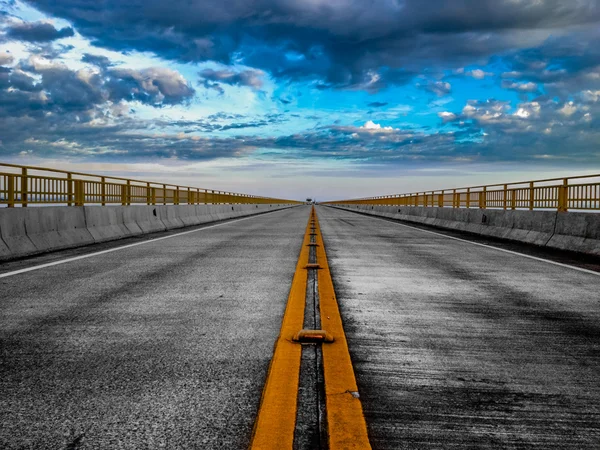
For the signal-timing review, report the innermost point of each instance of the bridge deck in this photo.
(162, 345)
(458, 345)
(167, 343)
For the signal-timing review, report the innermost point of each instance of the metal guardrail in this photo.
(27, 185)
(563, 194)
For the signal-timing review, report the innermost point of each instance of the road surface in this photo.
(167, 343)
(457, 345)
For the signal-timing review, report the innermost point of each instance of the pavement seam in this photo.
(276, 419)
(347, 428)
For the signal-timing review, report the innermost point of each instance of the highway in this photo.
(457, 345)
(166, 343)
(161, 345)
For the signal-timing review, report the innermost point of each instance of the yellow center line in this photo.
(276, 420)
(347, 428)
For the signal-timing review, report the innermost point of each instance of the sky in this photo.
(328, 99)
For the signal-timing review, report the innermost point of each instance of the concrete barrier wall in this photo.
(29, 231)
(579, 232)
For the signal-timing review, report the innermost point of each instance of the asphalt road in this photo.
(166, 344)
(457, 345)
(161, 345)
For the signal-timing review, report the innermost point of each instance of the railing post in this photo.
(468, 197)
(441, 200)
(123, 194)
(513, 199)
(176, 196)
(483, 198)
(79, 194)
(563, 196)
(148, 194)
(164, 194)
(24, 187)
(153, 194)
(69, 189)
(189, 198)
(11, 191)
(505, 200)
(531, 196)
(128, 192)
(455, 201)
(103, 190)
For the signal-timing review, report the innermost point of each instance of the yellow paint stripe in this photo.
(347, 428)
(276, 420)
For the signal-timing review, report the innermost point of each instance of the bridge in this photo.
(143, 315)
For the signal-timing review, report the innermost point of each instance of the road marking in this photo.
(276, 419)
(549, 261)
(347, 428)
(123, 247)
(275, 423)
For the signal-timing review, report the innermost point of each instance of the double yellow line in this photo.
(275, 423)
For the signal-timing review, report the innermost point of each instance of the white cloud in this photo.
(447, 116)
(568, 109)
(590, 96)
(469, 110)
(372, 126)
(520, 87)
(528, 109)
(478, 74)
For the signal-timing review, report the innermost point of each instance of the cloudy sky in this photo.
(295, 98)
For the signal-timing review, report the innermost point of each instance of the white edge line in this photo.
(110, 250)
(549, 261)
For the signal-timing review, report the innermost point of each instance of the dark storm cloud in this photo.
(341, 43)
(538, 130)
(250, 78)
(214, 122)
(37, 87)
(37, 32)
(153, 85)
(97, 60)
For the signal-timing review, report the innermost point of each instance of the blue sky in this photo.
(297, 98)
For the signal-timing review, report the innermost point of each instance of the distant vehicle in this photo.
(308, 200)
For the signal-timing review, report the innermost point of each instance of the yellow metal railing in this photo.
(27, 185)
(562, 194)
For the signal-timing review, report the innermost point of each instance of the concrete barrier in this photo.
(106, 223)
(579, 232)
(13, 233)
(56, 227)
(169, 215)
(144, 217)
(28, 231)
